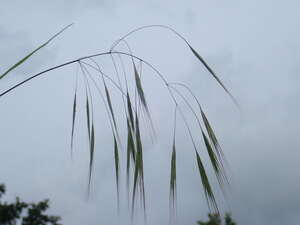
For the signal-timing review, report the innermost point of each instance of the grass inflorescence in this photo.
(136, 107)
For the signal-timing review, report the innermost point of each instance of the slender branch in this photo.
(106, 76)
(146, 27)
(79, 59)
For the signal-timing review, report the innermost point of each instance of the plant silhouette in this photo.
(24, 213)
(215, 219)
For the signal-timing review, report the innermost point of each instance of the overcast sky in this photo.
(253, 46)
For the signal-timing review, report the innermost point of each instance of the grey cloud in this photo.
(253, 46)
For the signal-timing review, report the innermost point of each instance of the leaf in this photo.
(136, 178)
(92, 148)
(212, 137)
(212, 73)
(131, 145)
(139, 88)
(173, 175)
(139, 170)
(73, 122)
(206, 185)
(212, 155)
(130, 151)
(109, 103)
(142, 96)
(30, 54)
(218, 158)
(117, 163)
(141, 163)
(137, 161)
(111, 108)
(129, 106)
(88, 117)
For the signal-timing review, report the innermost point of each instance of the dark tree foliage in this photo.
(215, 219)
(24, 213)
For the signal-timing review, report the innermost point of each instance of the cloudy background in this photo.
(253, 46)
